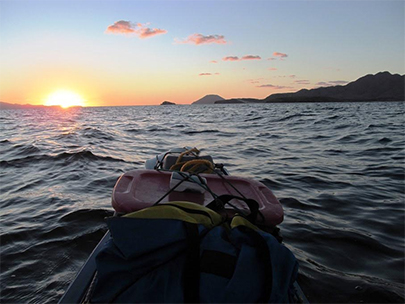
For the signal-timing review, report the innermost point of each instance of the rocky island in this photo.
(167, 103)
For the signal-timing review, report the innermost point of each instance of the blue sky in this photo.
(49, 45)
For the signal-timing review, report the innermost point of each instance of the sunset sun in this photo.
(64, 98)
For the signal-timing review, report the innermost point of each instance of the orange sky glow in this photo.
(117, 53)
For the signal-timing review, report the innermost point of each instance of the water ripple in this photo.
(337, 169)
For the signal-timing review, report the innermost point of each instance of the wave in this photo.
(97, 133)
(20, 149)
(66, 157)
(201, 132)
(254, 119)
(289, 117)
(133, 130)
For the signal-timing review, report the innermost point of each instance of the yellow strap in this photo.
(241, 221)
(164, 211)
(198, 165)
(179, 163)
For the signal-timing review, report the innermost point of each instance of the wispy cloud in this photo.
(277, 87)
(246, 57)
(251, 57)
(137, 29)
(272, 69)
(280, 55)
(208, 74)
(213, 61)
(303, 81)
(198, 39)
(230, 58)
(331, 83)
(338, 82)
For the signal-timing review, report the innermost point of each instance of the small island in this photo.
(167, 103)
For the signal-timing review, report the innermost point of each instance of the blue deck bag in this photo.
(186, 253)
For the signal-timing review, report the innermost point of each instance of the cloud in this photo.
(338, 82)
(246, 57)
(198, 39)
(121, 27)
(280, 55)
(208, 74)
(304, 81)
(273, 86)
(230, 58)
(137, 29)
(271, 58)
(213, 61)
(331, 83)
(272, 69)
(251, 57)
(148, 32)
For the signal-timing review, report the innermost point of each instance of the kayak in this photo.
(182, 174)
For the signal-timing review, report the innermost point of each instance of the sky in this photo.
(115, 53)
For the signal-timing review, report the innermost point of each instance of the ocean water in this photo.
(337, 168)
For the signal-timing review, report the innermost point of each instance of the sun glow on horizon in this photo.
(65, 99)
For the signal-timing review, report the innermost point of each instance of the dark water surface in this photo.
(337, 168)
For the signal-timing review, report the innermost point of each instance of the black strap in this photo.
(218, 204)
(264, 256)
(191, 278)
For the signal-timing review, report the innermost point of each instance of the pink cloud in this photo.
(280, 55)
(331, 83)
(273, 86)
(272, 69)
(138, 29)
(304, 81)
(148, 32)
(246, 57)
(213, 61)
(121, 27)
(338, 82)
(198, 39)
(207, 74)
(251, 57)
(230, 58)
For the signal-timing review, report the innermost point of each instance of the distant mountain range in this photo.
(382, 86)
(8, 106)
(379, 87)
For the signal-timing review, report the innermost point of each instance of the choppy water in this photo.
(338, 169)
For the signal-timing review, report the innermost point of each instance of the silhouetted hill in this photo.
(208, 99)
(239, 100)
(379, 87)
(167, 103)
(9, 106)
